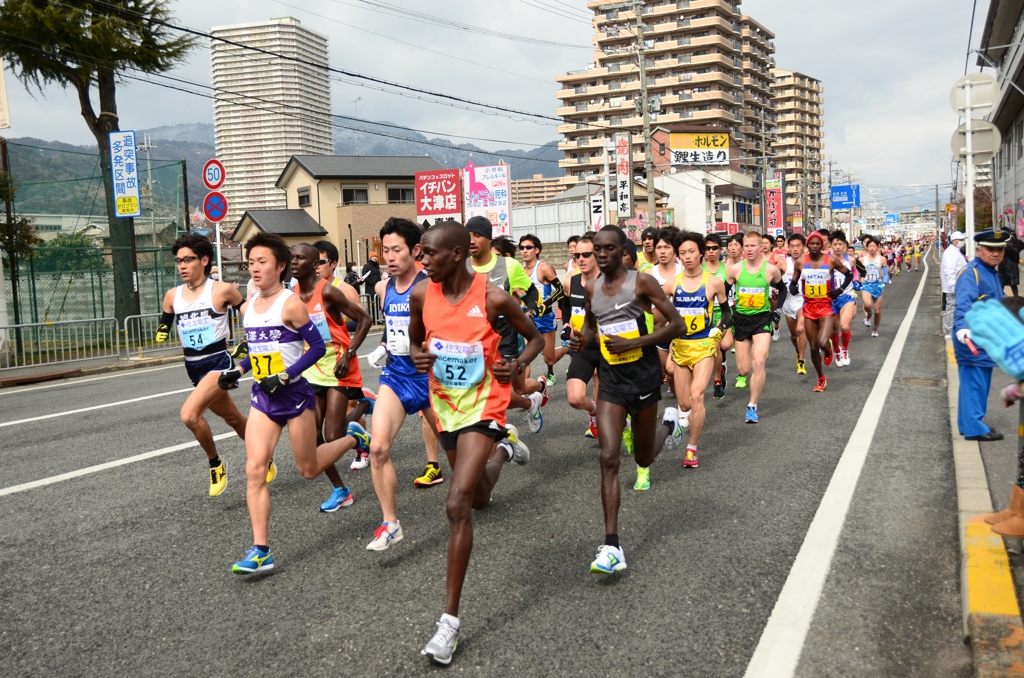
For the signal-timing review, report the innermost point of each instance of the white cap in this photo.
(957, 235)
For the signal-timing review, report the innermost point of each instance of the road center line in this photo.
(782, 640)
(103, 467)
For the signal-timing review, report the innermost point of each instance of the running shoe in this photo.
(609, 559)
(520, 452)
(385, 537)
(643, 479)
(431, 476)
(867, 321)
(741, 381)
(874, 333)
(719, 389)
(340, 498)
(370, 397)
(218, 478)
(627, 436)
(775, 334)
(592, 430)
(801, 367)
(826, 355)
(751, 415)
(550, 378)
(361, 461)
(254, 561)
(675, 437)
(820, 387)
(442, 646)
(362, 439)
(684, 418)
(846, 357)
(533, 415)
(272, 471)
(690, 460)
(543, 381)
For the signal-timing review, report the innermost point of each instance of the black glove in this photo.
(240, 351)
(794, 288)
(229, 379)
(834, 294)
(274, 383)
(776, 317)
(566, 333)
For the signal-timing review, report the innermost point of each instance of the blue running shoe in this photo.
(254, 561)
(340, 498)
(361, 436)
(751, 416)
(369, 397)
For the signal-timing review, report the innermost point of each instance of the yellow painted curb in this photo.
(951, 353)
(989, 580)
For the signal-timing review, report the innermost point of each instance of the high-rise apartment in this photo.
(705, 65)
(758, 112)
(799, 140)
(268, 108)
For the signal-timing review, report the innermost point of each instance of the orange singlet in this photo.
(337, 339)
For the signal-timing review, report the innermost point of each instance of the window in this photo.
(355, 196)
(401, 195)
(304, 199)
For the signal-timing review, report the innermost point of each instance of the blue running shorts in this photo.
(412, 391)
(545, 324)
(875, 289)
(202, 365)
(843, 300)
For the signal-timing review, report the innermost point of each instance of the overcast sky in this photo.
(887, 68)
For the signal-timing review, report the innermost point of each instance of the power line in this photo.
(970, 36)
(554, 10)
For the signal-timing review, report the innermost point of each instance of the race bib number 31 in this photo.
(626, 330)
(458, 365)
(266, 360)
(816, 291)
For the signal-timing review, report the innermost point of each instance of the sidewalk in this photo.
(83, 368)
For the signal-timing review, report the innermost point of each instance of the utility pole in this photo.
(641, 50)
(764, 175)
(831, 217)
(938, 223)
(607, 184)
(147, 146)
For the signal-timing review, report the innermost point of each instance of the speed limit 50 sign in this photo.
(213, 174)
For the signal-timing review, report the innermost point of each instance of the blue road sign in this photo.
(846, 197)
(215, 206)
(892, 219)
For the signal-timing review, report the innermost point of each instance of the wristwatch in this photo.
(522, 368)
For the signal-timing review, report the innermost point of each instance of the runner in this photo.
(571, 268)
(768, 253)
(403, 391)
(455, 326)
(876, 277)
(583, 365)
(713, 265)
(898, 251)
(276, 325)
(794, 303)
(507, 273)
(697, 295)
(918, 252)
(781, 252)
(200, 305)
(890, 258)
(666, 271)
(617, 305)
(753, 279)
(844, 308)
(647, 259)
(814, 275)
(547, 283)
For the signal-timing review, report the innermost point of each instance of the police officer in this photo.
(979, 280)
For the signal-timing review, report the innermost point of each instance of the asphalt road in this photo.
(126, 571)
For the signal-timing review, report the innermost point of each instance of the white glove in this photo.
(377, 356)
(963, 335)
(715, 334)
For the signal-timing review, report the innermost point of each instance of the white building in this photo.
(268, 108)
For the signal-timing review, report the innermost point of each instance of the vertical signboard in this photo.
(5, 113)
(486, 191)
(773, 204)
(624, 176)
(597, 212)
(798, 221)
(438, 196)
(124, 169)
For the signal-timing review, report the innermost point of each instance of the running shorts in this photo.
(287, 403)
(817, 310)
(689, 352)
(350, 392)
(875, 289)
(843, 300)
(791, 307)
(413, 392)
(746, 326)
(545, 323)
(584, 363)
(202, 365)
(489, 427)
(634, 403)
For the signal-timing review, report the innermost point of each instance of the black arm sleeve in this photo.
(860, 268)
(565, 306)
(847, 279)
(530, 299)
(166, 318)
(726, 321)
(781, 288)
(557, 294)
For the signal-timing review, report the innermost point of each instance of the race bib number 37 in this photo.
(458, 365)
(266, 359)
(626, 330)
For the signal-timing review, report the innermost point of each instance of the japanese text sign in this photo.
(846, 197)
(438, 195)
(486, 191)
(624, 176)
(699, 148)
(125, 172)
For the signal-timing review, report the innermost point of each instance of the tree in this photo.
(67, 252)
(82, 43)
(17, 239)
(982, 211)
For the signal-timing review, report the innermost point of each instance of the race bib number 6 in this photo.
(696, 320)
(751, 297)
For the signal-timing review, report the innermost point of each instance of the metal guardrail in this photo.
(52, 343)
(140, 332)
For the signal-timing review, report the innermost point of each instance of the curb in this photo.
(119, 366)
(991, 614)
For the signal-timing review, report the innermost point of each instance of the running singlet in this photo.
(637, 371)
(273, 347)
(577, 302)
(644, 266)
(543, 288)
(657, 275)
(396, 327)
(872, 270)
(695, 307)
(201, 329)
(720, 274)
(337, 340)
(815, 283)
(838, 277)
(753, 291)
(463, 389)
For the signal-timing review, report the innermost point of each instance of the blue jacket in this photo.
(976, 281)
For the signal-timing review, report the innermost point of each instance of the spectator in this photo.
(978, 281)
(1009, 267)
(952, 261)
(371, 276)
(351, 277)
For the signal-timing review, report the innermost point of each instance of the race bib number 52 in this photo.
(458, 365)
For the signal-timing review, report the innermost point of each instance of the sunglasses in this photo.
(184, 260)
(582, 255)
(527, 247)
(712, 248)
(322, 262)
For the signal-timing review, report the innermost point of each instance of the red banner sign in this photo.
(438, 193)
(773, 208)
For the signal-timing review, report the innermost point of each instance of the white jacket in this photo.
(952, 261)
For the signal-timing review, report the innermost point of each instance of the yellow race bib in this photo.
(695, 323)
(579, 314)
(750, 297)
(816, 291)
(266, 360)
(626, 330)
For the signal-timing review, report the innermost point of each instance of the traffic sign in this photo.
(985, 141)
(213, 174)
(984, 90)
(215, 206)
(846, 197)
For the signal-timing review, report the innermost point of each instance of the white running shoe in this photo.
(520, 452)
(609, 559)
(684, 418)
(671, 419)
(533, 415)
(867, 321)
(442, 646)
(361, 461)
(385, 536)
(775, 334)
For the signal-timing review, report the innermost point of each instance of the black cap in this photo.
(992, 238)
(630, 248)
(480, 226)
(649, 232)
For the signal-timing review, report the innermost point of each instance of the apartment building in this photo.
(799, 140)
(534, 191)
(706, 64)
(269, 108)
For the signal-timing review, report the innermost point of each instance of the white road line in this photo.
(70, 381)
(782, 640)
(103, 467)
